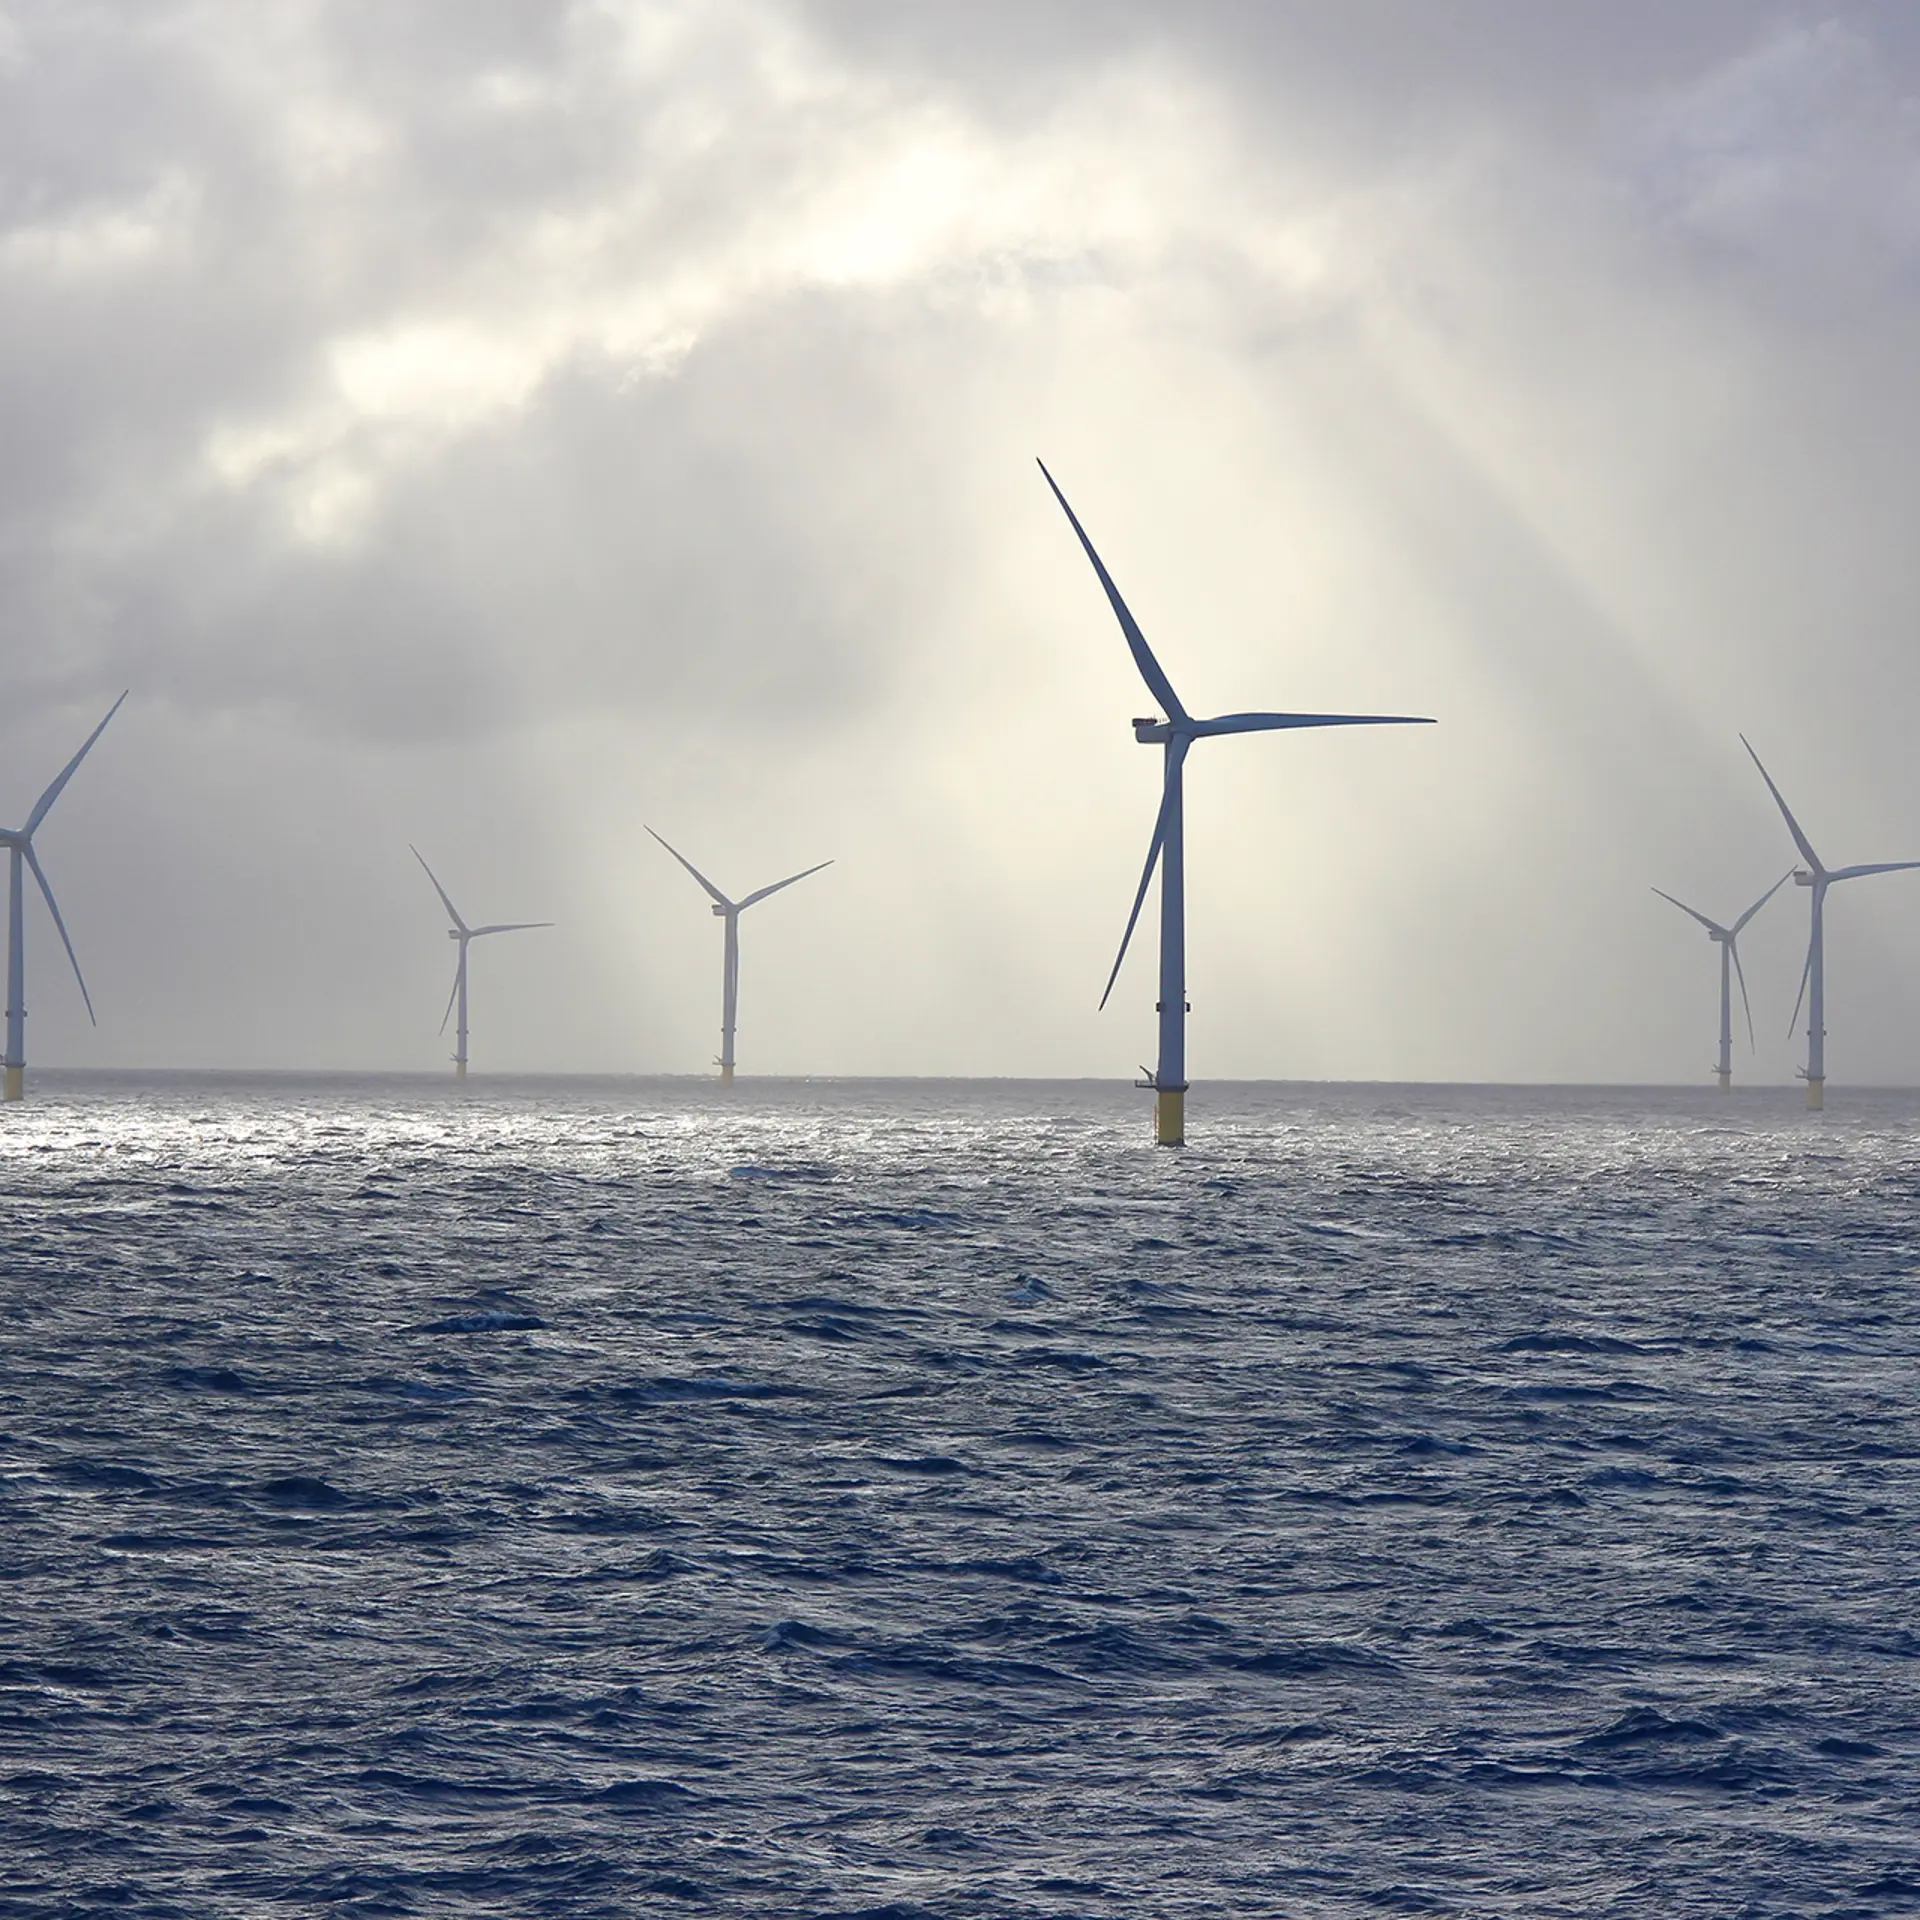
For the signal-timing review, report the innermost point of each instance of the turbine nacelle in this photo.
(1802, 878)
(1151, 732)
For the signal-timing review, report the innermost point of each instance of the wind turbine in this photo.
(18, 842)
(730, 911)
(1813, 976)
(466, 935)
(1728, 939)
(1177, 733)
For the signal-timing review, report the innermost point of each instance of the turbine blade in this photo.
(509, 926)
(1885, 866)
(778, 884)
(453, 912)
(1800, 840)
(719, 899)
(1280, 722)
(53, 907)
(1806, 973)
(66, 773)
(1762, 901)
(453, 992)
(1150, 670)
(1146, 876)
(1739, 972)
(1710, 926)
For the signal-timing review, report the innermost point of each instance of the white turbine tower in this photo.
(1177, 733)
(1813, 976)
(1728, 939)
(21, 857)
(730, 911)
(466, 935)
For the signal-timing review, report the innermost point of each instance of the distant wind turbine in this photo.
(20, 855)
(466, 935)
(1177, 732)
(1728, 939)
(1813, 976)
(730, 911)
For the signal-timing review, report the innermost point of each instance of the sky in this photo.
(499, 426)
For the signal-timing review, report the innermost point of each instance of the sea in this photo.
(928, 1501)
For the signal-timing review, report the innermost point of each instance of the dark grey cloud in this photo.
(1372, 75)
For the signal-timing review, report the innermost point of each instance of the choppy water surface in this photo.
(602, 1499)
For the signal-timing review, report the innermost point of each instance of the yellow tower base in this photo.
(1170, 1117)
(1816, 1094)
(459, 1069)
(16, 1083)
(1726, 1081)
(726, 1076)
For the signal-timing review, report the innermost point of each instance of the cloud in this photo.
(502, 423)
(1801, 152)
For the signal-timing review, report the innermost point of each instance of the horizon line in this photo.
(701, 1077)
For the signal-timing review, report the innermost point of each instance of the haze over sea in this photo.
(924, 1498)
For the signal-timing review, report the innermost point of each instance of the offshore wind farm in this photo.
(1440, 1440)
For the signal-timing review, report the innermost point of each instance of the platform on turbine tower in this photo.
(1170, 1117)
